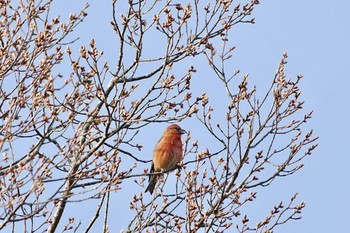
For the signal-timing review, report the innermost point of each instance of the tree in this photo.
(72, 136)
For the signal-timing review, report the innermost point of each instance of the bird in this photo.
(167, 154)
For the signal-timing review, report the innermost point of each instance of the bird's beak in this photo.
(182, 131)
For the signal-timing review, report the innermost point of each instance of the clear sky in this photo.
(316, 35)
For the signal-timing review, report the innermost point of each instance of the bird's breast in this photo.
(167, 155)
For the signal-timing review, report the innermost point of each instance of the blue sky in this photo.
(316, 36)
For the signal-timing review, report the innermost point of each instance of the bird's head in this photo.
(174, 128)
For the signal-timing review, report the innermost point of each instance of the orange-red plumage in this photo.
(167, 153)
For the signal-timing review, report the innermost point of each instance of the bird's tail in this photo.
(152, 184)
